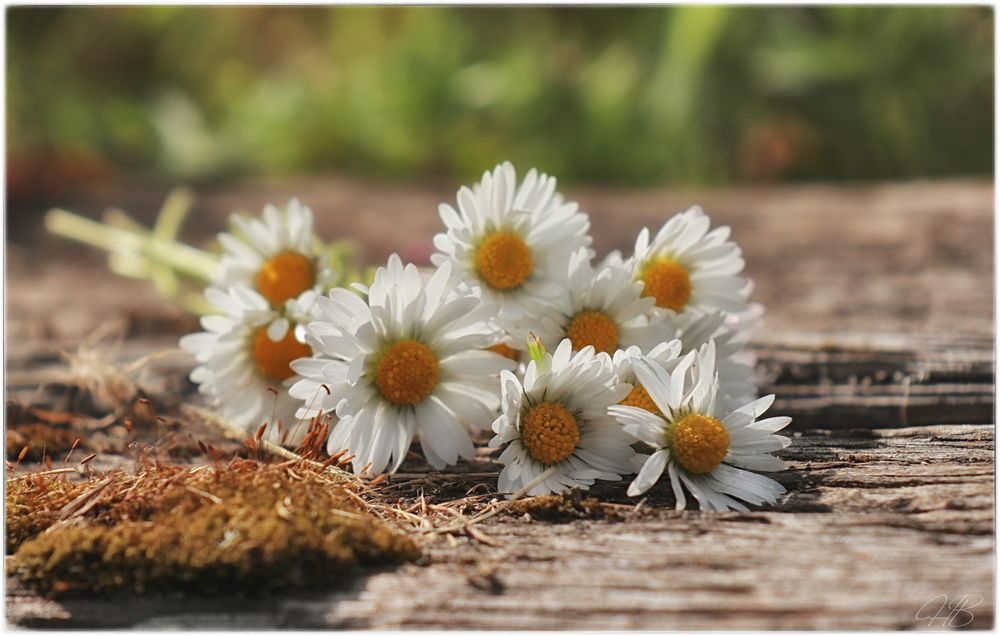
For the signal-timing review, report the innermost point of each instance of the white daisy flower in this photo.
(279, 256)
(408, 361)
(602, 308)
(555, 425)
(749, 319)
(667, 354)
(512, 241)
(733, 362)
(244, 358)
(505, 348)
(688, 269)
(703, 448)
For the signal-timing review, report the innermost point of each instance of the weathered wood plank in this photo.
(876, 523)
(880, 380)
(878, 341)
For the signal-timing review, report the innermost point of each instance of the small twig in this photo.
(150, 357)
(85, 501)
(54, 471)
(408, 515)
(356, 497)
(128, 491)
(482, 537)
(280, 451)
(202, 493)
(344, 513)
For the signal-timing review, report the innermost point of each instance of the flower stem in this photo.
(131, 243)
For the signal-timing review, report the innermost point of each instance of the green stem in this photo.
(182, 258)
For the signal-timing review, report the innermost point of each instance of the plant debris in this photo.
(239, 526)
(567, 507)
(50, 434)
(38, 440)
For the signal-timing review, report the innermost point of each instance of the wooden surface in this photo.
(878, 340)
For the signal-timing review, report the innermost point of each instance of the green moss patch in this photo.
(33, 503)
(244, 526)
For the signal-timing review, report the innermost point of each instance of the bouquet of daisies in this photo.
(622, 368)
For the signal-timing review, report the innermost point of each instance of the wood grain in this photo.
(882, 380)
(875, 524)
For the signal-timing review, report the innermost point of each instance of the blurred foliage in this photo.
(628, 95)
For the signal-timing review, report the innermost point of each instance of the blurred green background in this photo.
(705, 94)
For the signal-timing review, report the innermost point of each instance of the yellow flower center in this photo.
(272, 359)
(505, 351)
(699, 442)
(550, 433)
(593, 328)
(285, 275)
(407, 372)
(668, 282)
(504, 260)
(639, 398)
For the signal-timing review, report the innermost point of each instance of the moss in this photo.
(241, 527)
(33, 503)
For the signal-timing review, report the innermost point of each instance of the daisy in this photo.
(511, 241)
(244, 358)
(278, 256)
(732, 362)
(602, 308)
(667, 354)
(703, 448)
(505, 347)
(408, 361)
(688, 269)
(555, 425)
(746, 321)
